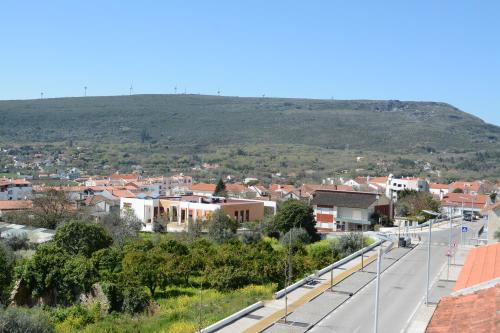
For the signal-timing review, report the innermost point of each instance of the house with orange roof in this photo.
(203, 189)
(458, 203)
(14, 205)
(123, 178)
(15, 189)
(467, 187)
(439, 190)
(237, 190)
(284, 192)
(467, 312)
(474, 304)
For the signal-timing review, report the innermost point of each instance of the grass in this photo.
(180, 313)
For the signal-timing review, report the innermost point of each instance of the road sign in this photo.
(465, 229)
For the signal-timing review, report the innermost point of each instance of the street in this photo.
(402, 288)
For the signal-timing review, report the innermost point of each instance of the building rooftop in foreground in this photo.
(482, 264)
(477, 312)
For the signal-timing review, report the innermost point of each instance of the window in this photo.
(127, 205)
(236, 215)
(247, 215)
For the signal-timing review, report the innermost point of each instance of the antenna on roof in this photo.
(131, 89)
(85, 91)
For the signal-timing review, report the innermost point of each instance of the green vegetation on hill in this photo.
(214, 120)
(184, 130)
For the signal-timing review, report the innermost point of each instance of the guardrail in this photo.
(235, 316)
(298, 284)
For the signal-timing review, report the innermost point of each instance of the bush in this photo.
(135, 300)
(18, 242)
(23, 320)
(321, 254)
(295, 235)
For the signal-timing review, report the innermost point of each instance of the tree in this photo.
(412, 203)
(294, 235)
(295, 214)
(220, 189)
(493, 197)
(51, 209)
(6, 271)
(221, 227)
(56, 275)
(458, 190)
(121, 226)
(76, 237)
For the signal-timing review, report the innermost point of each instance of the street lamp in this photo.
(434, 214)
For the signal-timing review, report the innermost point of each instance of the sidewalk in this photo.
(442, 286)
(274, 310)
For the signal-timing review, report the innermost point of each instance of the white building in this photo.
(15, 189)
(395, 185)
(146, 209)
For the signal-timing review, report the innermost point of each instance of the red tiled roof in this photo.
(284, 187)
(204, 187)
(471, 313)
(439, 186)
(482, 264)
(235, 188)
(380, 180)
(466, 185)
(123, 194)
(456, 199)
(8, 181)
(15, 204)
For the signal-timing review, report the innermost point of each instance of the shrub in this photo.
(23, 320)
(135, 300)
(18, 242)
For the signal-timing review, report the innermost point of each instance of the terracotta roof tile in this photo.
(204, 187)
(478, 312)
(15, 204)
(482, 264)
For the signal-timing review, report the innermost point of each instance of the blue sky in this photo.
(409, 50)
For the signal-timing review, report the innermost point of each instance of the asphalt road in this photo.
(402, 288)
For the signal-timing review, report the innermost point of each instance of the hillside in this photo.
(195, 119)
(195, 123)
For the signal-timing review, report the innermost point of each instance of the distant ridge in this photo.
(385, 126)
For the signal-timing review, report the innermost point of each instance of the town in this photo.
(374, 212)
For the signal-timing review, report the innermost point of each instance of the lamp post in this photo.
(377, 289)
(434, 214)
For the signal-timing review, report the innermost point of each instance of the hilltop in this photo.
(199, 119)
(199, 122)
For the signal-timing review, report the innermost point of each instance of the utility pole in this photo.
(362, 250)
(428, 263)
(449, 248)
(377, 290)
(288, 271)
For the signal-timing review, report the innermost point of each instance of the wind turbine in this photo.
(85, 91)
(41, 95)
(131, 89)
(175, 90)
